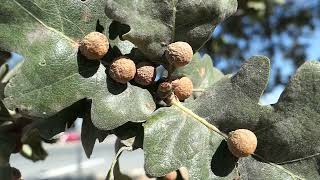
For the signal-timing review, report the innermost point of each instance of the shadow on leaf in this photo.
(118, 29)
(4, 56)
(87, 68)
(130, 130)
(114, 87)
(223, 162)
(99, 27)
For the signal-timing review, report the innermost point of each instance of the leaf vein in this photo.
(49, 85)
(59, 15)
(299, 159)
(42, 23)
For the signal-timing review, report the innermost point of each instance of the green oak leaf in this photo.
(173, 140)
(116, 30)
(26, 23)
(129, 134)
(54, 75)
(155, 24)
(288, 145)
(201, 72)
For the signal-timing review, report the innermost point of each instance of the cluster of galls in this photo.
(95, 46)
(178, 54)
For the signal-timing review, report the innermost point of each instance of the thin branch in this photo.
(115, 160)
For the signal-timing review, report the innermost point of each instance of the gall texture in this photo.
(182, 88)
(94, 46)
(242, 142)
(122, 70)
(179, 54)
(145, 74)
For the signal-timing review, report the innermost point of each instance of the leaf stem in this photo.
(42, 23)
(198, 118)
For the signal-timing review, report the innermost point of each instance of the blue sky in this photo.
(287, 68)
(279, 62)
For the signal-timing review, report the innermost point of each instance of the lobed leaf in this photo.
(288, 146)
(155, 24)
(54, 75)
(173, 140)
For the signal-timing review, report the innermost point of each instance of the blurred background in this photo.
(287, 31)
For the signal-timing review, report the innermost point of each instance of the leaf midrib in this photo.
(174, 3)
(42, 23)
(191, 114)
(299, 159)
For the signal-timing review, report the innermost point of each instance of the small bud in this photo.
(122, 70)
(242, 142)
(94, 46)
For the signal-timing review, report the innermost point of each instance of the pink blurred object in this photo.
(68, 137)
